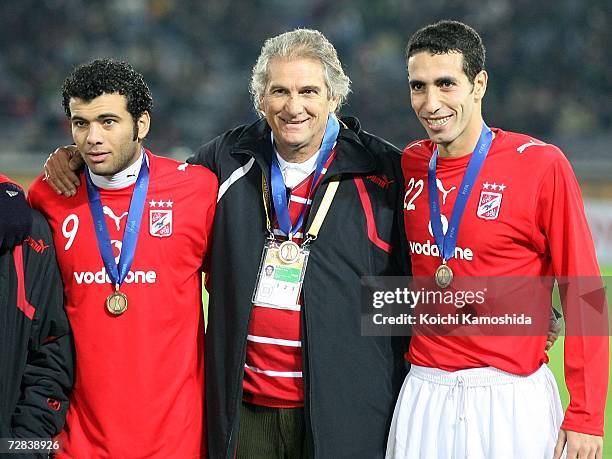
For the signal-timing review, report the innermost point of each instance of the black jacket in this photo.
(36, 361)
(351, 382)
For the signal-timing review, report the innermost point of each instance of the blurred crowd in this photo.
(549, 69)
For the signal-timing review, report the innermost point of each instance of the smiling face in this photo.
(296, 104)
(446, 103)
(104, 132)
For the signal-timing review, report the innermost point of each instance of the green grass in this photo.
(556, 365)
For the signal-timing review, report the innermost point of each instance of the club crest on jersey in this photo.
(490, 201)
(160, 218)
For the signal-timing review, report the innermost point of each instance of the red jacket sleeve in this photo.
(562, 221)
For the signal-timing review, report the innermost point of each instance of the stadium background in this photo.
(549, 67)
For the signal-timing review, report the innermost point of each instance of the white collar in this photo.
(305, 168)
(295, 173)
(121, 179)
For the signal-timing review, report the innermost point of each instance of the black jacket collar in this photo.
(352, 157)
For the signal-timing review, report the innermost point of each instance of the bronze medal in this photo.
(288, 252)
(117, 303)
(444, 276)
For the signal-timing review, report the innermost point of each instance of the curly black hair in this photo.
(447, 37)
(107, 76)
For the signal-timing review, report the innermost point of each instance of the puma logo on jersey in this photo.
(108, 211)
(443, 191)
(414, 144)
(38, 246)
(182, 167)
(382, 181)
(531, 143)
(12, 194)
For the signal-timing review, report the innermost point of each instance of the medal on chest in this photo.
(443, 276)
(448, 242)
(288, 252)
(117, 302)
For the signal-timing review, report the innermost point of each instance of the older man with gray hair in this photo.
(288, 372)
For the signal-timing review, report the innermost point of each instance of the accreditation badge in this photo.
(280, 277)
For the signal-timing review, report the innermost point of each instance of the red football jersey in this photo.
(139, 385)
(524, 217)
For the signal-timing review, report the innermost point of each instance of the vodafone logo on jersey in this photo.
(101, 277)
(70, 228)
(430, 249)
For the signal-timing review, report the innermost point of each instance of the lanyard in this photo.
(117, 273)
(317, 221)
(279, 192)
(447, 243)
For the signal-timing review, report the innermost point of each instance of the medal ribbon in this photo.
(447, 243)
(279, 192)
(118, 272)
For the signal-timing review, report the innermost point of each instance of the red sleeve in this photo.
(562, 220)
(34, 193)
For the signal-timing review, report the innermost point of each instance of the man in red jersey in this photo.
(490, 396)
(131, 246)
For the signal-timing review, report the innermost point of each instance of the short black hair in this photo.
(450, 37)
(107, 76)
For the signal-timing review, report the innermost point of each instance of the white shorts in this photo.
(475, 413)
